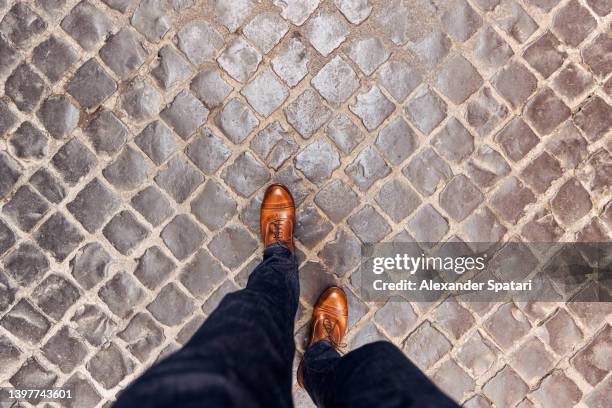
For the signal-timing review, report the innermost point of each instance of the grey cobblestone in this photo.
(475, 120)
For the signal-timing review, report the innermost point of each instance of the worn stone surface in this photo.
(137, 138)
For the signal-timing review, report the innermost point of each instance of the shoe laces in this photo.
(329, 327)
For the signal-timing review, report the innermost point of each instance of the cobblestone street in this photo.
(137, 138)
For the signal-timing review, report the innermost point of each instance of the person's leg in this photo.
(241, 356)
(376, 375)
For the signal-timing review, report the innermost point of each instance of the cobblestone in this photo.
(475, 120)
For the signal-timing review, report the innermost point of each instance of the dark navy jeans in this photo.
(242, 357)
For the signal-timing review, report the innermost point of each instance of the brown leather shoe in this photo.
(329, 322)
(277, 217)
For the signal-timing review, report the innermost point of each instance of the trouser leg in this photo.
(241, 356)
(376, 375)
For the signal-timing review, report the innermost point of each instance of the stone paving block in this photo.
(153, 267)
(426, 345)
(532, 361)
(25, 208)
(460, 197)
(110, 365)
(106, 132)
(151, 19)
(517, 139)
(453, 380)
(599, 397)
(453, 141)
(483, 226)
(156, 141)
(171, 295)
(541, 172)
(55, 295)
(545, 55)
(172, 68)
(557, 390)
(511, 198)
(515, 83)
(123, 53)
(8, 57)
(21, 24)
(142, 336)
(336, 81)
(274, 145)
(589, 361)
(213, 206)
(453, 318)
(367, 168)
(231, 13)
(397, 199)
(297, 184)
(7, 238)
(310, 226)
(427, 171)
(507, 325)
(32, 375)
(179, 178)
(514, 20)
(26, 264)
(486, 166)
(236, 120)
(185, 114)
(397, 141)
(399, 78)
(141, 100)
(202, 274)
(210, 88)
(59, 116)
(344, 133)
(125, 232)
(192, 36)
(9, 353)
(25, 322)
(90, 265)
(595, 55)
(595, 171)
(594, 118)
(296, 11)
(601, 7)
(10, 171)
(506, 388)
(369, 225)
(207, 151)
(266, 30)
(326, 32)
(93, 324)
(245, 175)
(491, 48)
(291, 64)
(91, 85)
(48, 185)
(7, 118)
(119, 5)
(265, 93)
(368, 54)
(373, 107)
(432, 48)
(318, 161)
(560, 332)
(58, 236)
(307, 113)
(368, 333)
(153, 205)
(182, 236)
(341, 254)
(356, 11)
(83, 392)
(571, 202)
(460, 20)
(425, 110)
(483, 112)
(573, 23)
(65, 350)
(54, 57)
(336, 200)
(477, 354)
(458, 79)
(25, 87)
(87, 25)
(128, 171)
(121, 294)
(240, 59)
